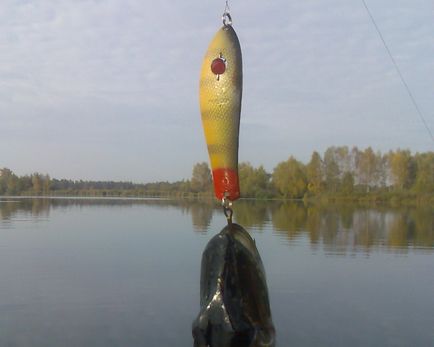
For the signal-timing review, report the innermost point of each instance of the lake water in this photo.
(92, 273)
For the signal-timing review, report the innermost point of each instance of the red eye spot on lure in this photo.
(218, 66)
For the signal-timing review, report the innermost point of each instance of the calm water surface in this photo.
(126, 272)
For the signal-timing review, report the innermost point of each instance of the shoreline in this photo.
(364, 200)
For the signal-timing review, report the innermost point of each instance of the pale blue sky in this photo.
(108, 89)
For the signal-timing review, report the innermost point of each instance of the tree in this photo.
(24, 183)
(367, 168)
(314, 173)
(37, 183)
(8, 182)
(262, 182)
(382, 169)
(331, 169)
(12, 185)
(424, 181)
(46, 184)
(290, 179)
(201, 178)
(399, 164)
(5, 174)
(347, 185)
(343, 159)
(253, 182)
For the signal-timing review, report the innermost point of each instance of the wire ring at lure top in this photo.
(227, 19)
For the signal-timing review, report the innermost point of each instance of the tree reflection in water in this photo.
(336, 228)
(201, 215)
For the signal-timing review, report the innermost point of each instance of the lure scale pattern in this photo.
(220, 105)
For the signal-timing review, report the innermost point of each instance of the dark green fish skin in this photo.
(235, 309)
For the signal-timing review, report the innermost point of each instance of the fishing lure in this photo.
(220, 92)
(235, 310)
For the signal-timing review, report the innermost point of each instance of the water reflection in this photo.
(335, 228)
(26, 207)
(289, 219)
(201, 215)
(252, 214)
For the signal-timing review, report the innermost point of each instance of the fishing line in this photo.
(407, 88)
(226, 17)
(227, 8)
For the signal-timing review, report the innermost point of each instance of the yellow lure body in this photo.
(220, 92)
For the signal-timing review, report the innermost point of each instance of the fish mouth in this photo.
(235, 309)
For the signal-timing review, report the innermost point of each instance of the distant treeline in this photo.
(42, 184)
(340, 173)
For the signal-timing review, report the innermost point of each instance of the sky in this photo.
(108, 89)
